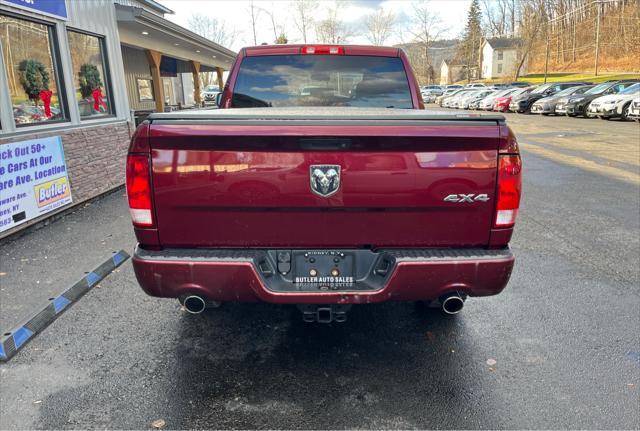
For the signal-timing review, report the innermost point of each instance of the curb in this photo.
(12, 341)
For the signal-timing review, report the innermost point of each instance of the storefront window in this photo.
(31, 71)
(91, 87)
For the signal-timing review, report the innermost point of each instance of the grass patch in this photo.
(538, 78)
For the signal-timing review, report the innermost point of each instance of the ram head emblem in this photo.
(325, 179)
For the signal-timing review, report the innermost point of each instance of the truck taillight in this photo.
(323, 50)
(139, 189)
(509, 189)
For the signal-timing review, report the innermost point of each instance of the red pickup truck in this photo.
(323, 183)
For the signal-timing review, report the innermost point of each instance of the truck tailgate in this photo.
(225, 182)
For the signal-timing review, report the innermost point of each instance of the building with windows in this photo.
(451, 72)
(74, 75)
(500, 58)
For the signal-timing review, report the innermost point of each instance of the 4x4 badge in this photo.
(325, 179)
(467, 198)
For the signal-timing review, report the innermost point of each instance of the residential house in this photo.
(500, 57)
(451, 71)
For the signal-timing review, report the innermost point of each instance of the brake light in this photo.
(139, 189)
(509, 190)
(323, 50)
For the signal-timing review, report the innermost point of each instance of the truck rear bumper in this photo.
(232, 275)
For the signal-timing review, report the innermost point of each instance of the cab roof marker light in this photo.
(323, 50)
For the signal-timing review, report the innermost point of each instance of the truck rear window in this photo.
(321, 80)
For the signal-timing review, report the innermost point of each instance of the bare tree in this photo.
(212, 29)
(276, 26)
(534, 17)
(303, 16)
(332, 29)
(426, 29)
(254, 14)
(380, 26)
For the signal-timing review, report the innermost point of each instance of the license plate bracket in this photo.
(330, 268)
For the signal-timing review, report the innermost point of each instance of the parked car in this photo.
(475, 85)
(519, 84)
(634, 110)
(428, 97)
(270, 219)
(432, 89)
(614, 105)
(209, 94)
(453, 87)
(523, 103)
(547, 105)
(430, 92)
(501, 104)
(448, 93)
(579, 105)
(452, 102)
(486, 104)
(466, 101)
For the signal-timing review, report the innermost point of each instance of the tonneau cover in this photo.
(341, 114)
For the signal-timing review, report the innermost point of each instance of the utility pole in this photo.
(546, 61)
(573, 49)
(599, 6)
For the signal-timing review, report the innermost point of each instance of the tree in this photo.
(533, 17)
(303, 16)
(499, 17)
(380, 26)
(212, 29)
(278, 28)
(282, 39)
(332, 29)
(254, 14)
(469, 47)
(425, 29)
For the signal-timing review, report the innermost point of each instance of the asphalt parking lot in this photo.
(559, 348)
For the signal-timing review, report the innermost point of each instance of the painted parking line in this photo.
(12, 341)
(579, 162)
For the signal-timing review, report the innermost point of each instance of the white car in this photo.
(486, 104)
(452, 102)
(465, 101)
(634, 110)
(475, 85)
(614, 105)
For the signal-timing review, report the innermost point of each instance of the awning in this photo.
(142, 29)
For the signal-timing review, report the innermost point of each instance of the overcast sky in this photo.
(452, 14)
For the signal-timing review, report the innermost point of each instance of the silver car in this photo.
(466, 101)
(548, 105)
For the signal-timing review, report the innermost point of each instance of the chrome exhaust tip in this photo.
(452, 303)
(194, 304)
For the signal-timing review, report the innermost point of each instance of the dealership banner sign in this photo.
(33, 180)
(53, 8)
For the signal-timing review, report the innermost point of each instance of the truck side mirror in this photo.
(218, 99)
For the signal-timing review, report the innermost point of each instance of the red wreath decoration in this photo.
(98, 101)
(45, 96)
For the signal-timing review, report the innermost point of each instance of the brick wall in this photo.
(95, 158)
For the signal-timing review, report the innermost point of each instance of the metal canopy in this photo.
(142, 29)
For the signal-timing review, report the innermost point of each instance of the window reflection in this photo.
(322, 80)
(31, 74)
(89, 77)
